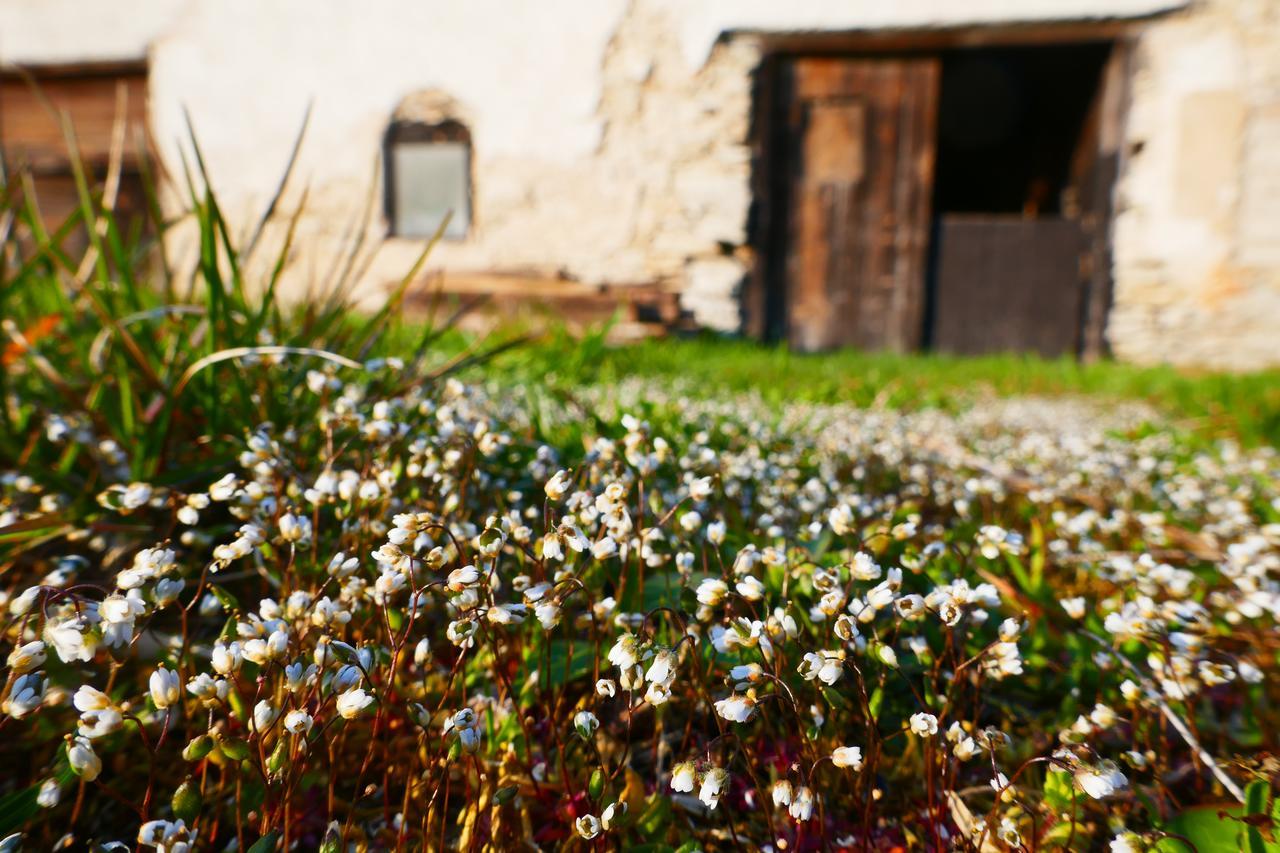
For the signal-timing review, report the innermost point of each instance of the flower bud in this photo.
(198, 748)
(279, 759)
(237, 749)
(187, 802)
(586, 723)
(596, 786)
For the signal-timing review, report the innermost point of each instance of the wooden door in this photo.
(859, 146)
(106, 106)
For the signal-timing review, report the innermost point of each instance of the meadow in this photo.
(282, 576)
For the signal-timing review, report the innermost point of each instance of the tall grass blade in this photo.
(241, 352)
(252, 242)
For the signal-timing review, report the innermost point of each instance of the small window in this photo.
(428, 178)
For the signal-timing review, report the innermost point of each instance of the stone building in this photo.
(1065, 176)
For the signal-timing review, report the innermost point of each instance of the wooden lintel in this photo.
(944, 38)
(46, 71)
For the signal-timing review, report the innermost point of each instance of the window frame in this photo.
(414, 132)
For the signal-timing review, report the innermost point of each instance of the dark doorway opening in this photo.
(1009, 122)
(1015, 178)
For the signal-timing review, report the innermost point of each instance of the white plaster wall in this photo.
(71, 31)
(529, 82)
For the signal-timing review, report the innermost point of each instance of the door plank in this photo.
(861, 135)
(1008, 284)
(30, 122)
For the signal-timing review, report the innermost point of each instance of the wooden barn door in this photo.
(858, 146)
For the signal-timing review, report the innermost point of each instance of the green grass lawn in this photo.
(1209, 404)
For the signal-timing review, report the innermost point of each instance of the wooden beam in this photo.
(112, 68)
(853, 42)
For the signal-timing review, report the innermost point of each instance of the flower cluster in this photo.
(426, 618)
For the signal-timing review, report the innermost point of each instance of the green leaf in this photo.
(1019, 574)
(877, 699)
(1059, 792)
(30, 534)
(655, 818)
(1255, 797)
(663, 590)
(226, 599)
(834, 698)
(1037, 557)
(1060, 833)
(562, 670)
(267, 843)
(238, 705)
(17, 809)
(1211, 833)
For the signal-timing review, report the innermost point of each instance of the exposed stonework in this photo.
(430, 106)
(682, 132)
(1197, 237)
(711, 291)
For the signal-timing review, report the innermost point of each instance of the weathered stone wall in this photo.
(1197, 237)
(662, 197)
(610, 136)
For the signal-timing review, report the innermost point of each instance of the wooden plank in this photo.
(57, 198)
(513, 295)
(861, 156)
(1008, 284)
(30, 127)
(872, 42)
(32, 103)
(825, 252)
(833, 142)
(918, 157)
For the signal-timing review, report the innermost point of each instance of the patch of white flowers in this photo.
(725, 608)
